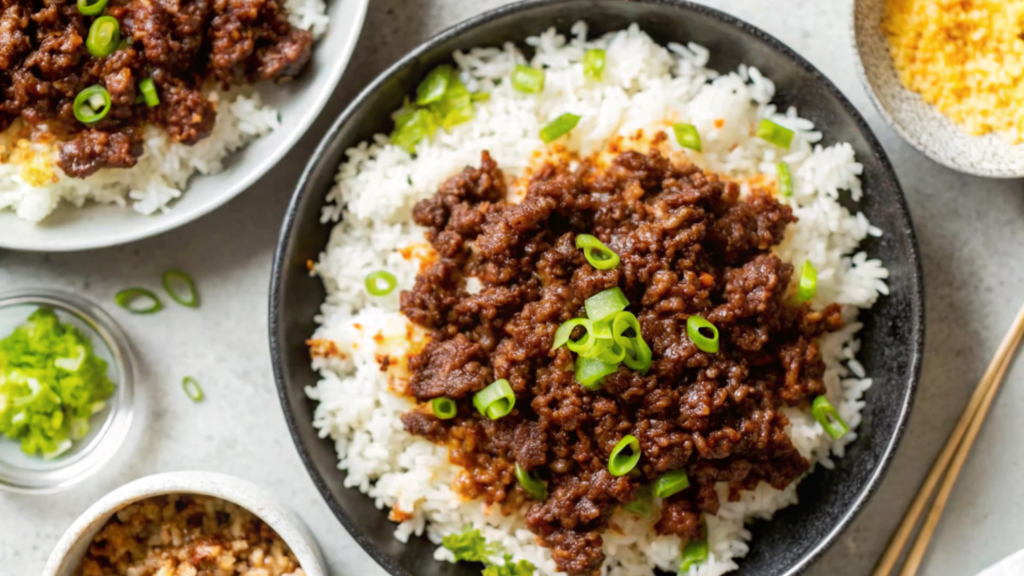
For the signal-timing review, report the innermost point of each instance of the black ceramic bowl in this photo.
(892, 337)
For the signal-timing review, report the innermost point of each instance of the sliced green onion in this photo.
(104, 36)
(149, 94)
(694, 325)
(480, 96)
(696, 552)
(671, 483)
(605, 303)
(527, 79)
(828, 417)
(170, 277)
(597, 254)
(687, 136)
(92, 9)
(192, 389)
(558, 127)
(412, 126)
(641, 504)
(638, 353)
(590, 372)
(785, 179)
(808, 282)
(444, 408)
(593, 63)
(434, 85)
(564, 335)
(624, 456)
(380, 283)
(606, 350)
(775, 134)
(129, 299)
(496, 400)
(533, 485)
(92, 104)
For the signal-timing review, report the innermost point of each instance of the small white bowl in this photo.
(919, 123)
(72, 546)
(298, 102)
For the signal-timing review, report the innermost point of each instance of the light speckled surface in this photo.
(921, 124)
(971, 232)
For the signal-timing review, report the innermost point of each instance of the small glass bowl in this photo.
(108, 428)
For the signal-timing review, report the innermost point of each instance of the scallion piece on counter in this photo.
(92, 104)
(785, 179)
(638, 353)
(433, 87)
(104, 36)
(624, 456)
(149, 94)
(775, 134)
(605, 303)
(828, 417)
(533, 485)
(91, 8)
(698, 330)
(496, 400)
(641, 505)
(563, 336)
(527, 79)
(444, 408)
(558, 127)
(590, 372)
(593, 63)
(597, 254)
(687, 136)
(138, 301)
(808, 282)
(192, 389)
(380, 283)
(181, 288)
(671, 483)
(696, 552)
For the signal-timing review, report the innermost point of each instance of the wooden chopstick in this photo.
(966, 427)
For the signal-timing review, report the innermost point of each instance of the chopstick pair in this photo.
(950, 461)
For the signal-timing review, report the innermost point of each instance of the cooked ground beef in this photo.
(688, 245)
(180, 44)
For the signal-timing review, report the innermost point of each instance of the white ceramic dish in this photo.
(72, 546)
(919, 123)
(299, 103)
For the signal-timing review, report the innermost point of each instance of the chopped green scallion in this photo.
(775, 134)
(91, 9)
(149, 94)
(380, 283)
(590, 372)
(624, 456)
(687, 136)
(785, 179)
(671, 483)
(808, 282)
(104, 36)
(828, 417)
(181, 288)
(605, 303)
(558, 127)
(433, 87)
(593, 63)
(702, 333)
(192, 389)
(496, 400)
(135, 301)
(597, 254)
(527, 79)
(641, 505)
(696, 552)
(533, 485)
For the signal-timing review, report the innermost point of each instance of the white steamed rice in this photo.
(32, 185)
(644, 85)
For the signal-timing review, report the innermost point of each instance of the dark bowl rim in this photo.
(302, 188)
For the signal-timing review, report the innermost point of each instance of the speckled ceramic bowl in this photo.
(919, 123)
(72, 546)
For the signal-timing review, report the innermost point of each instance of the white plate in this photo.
(299, 103)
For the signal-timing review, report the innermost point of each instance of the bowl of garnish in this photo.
(948, 77)
(187, 523)
(66, 377)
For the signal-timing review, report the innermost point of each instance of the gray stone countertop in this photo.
(971, 233)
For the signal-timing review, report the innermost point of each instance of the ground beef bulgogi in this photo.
(180, 44)
(688, 245)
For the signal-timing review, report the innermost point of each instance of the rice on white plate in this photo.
(644, 85)
(33, 185)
